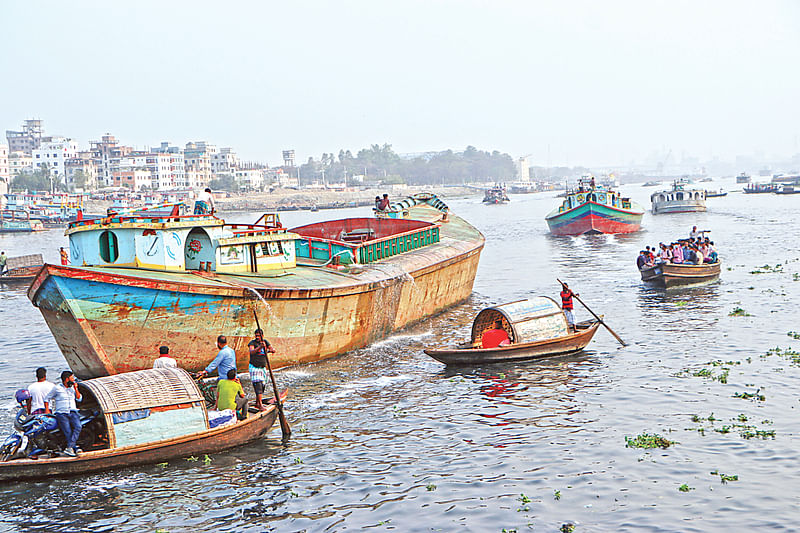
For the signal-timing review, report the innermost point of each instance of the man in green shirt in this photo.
(230, 395)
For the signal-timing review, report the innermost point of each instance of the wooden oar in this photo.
(622, 342)
(286, 430)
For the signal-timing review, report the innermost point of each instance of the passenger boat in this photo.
(22, 268)
(19, 222)
(716, 194)
(669, 275)
(678, 199)
(536, 327)
(788, 189)
(321, 289)
(761, 188)
(591, 210)
(651, 184)
(495, 195)
(149, 416)
(788, 179)
(742, 178)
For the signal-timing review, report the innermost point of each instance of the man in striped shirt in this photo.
(259, 348)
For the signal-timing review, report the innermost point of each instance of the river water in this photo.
(386, 438)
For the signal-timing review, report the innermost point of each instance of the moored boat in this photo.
(589, 209)
(651, 184)
(323, 289)
(536, 328)
(145, 417)
(678, 199)
(669, 275)
(18, 222)
(789, 189)
(742, 178)
(716, 194)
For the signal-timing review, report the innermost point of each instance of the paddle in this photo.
(622, 342)
(286, 430)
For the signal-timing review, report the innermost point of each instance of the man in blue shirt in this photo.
(62, 398)
(224, 361)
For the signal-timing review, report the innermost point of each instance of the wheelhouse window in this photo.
(109, 247)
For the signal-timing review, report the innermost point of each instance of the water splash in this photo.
(263, 301)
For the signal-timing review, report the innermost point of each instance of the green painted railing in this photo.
(377, 250)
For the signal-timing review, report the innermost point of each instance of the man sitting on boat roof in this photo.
(497, 336)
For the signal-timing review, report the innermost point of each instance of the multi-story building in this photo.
(225, 161)
(249, 178)
(85, 166)
(5, 174)
(198, 157)
(19, 162)
(28, 139)
(54, 152)
(133, 178)
(107, 153)
(167, 166)
(5, 169)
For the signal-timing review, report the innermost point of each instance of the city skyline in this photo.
(577, 84)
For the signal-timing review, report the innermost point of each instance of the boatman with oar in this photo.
(566, 303)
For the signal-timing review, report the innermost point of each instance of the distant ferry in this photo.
(742, 178)
(590, 210)
(716, 194)
(651, 184)
(678, 199)
(791, 179)
(495, 195)
(760, 188)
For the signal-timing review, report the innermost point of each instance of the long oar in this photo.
(622, 342)
(286, 430)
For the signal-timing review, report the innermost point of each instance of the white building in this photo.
(5, 174)
(198, 157)
(250, 179)
(5, 169)
(86, 164)
(54, 152)
(225, 161)
(523, 169)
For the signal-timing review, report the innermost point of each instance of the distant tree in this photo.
(224, 182)
(34, 181)
(80, 179)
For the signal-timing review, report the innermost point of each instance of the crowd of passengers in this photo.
(696, 250)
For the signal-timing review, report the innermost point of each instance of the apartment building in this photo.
(107, 153)
(85, 164)
(27, 140)
(54, 152)
(249, 179)
(19, 162)
(225, 161)
(198, 158)
(5, 169)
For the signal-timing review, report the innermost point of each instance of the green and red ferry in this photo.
(590, 209)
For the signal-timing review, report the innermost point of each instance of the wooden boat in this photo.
(593, 209)
(149, 416)
(742, 178)
(22, 269)
(495, 195)
(716, 194)
(789, 189)
(536, 327)
(18, 222)
(761, 188)
(668, 275)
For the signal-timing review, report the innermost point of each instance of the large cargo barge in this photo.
(320, 290)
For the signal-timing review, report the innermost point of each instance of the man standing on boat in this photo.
(566, 303)
(3, 267)
(259, 347)
(204, 203)
(224, 361)
(64, 256)
(63, 397)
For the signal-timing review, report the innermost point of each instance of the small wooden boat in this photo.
(149, 416)
(536, 327)
(22, 269)
(716, 194)
(668, 275)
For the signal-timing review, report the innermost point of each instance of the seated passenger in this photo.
(497, 336)
(230, 394)
(677, 253)
(666, 254)
(641, 261)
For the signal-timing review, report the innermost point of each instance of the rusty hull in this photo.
(110, 320)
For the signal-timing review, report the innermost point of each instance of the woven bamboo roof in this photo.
(144, 389)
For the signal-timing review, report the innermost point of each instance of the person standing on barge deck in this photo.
(204, 203)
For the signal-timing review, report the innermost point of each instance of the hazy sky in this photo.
(596, 82)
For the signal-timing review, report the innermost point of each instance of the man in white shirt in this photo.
(64, 395)
(204, 203)
(164, 360)
(39, 391)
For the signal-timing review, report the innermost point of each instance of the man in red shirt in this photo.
(497, 336)
(566, 303)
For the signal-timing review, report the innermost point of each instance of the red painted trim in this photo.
(595, 203)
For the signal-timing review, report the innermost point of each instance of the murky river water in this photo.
(386, 438)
